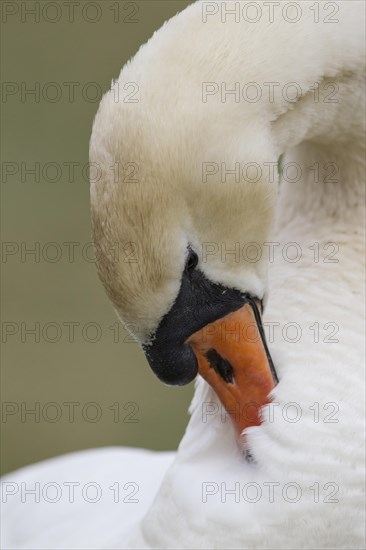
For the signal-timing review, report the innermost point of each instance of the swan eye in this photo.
(191, 262)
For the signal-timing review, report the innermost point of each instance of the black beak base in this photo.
(199, 303)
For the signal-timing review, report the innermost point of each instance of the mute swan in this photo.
(299, 482)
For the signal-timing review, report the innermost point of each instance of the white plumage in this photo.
(169, 133)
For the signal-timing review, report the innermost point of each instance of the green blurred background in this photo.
(85, 393)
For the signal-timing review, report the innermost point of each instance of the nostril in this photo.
(191, 262)
(221, 366)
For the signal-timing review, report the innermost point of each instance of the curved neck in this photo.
(325, 140)
(320, 142)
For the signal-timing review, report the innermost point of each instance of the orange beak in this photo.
(233, 358)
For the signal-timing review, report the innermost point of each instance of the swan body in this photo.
(305, 485)
(82, 498)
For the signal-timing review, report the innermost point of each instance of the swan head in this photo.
(180, 232)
